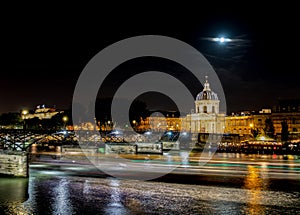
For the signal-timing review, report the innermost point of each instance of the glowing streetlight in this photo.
(134, 124)
(24, 112)
(65, 120)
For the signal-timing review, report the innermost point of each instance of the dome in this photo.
(207, 94)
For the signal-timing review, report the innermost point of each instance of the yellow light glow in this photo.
(24, 112)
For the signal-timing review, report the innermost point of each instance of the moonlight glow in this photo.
(221, 39)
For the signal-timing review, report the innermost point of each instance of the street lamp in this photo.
(134, 123)
(24, 113)
(65, 120)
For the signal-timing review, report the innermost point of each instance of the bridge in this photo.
(22, 140)
(16, 146)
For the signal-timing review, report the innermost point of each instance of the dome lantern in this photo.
(207, 93)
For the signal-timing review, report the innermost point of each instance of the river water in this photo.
(55, 192)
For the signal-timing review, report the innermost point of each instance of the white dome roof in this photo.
(207, 93)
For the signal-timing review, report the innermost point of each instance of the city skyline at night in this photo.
(150, 108)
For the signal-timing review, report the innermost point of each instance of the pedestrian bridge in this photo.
(21, 140)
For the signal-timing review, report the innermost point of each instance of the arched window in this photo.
(204, 109)
(204, 95)
(213, 109)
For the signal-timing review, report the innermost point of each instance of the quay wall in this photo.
(14, 163)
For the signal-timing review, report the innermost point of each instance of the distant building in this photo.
(164, 123)
(41, 112)
(289, 111)
(245, 122)
(206, 118)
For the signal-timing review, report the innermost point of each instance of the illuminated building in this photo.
(165, 123)
(41, 112)
(245, 122)
(288, 111)
(206, 118)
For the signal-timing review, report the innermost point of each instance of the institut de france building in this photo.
(206, 117)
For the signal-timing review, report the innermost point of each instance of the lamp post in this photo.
(24, 113)
(134, 123)
(65, 120)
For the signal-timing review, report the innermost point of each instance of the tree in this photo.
(284, 130)
(33, 123)
(269, 127)
(10, 119)
(254, 132)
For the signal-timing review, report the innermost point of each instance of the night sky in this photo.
(44, 51)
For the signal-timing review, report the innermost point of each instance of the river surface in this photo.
(59, 192)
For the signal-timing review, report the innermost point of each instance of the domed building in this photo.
(206, 117)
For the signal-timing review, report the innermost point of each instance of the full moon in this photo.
(221, 39)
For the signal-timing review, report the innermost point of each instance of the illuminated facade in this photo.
(165, 123)
(206, 118)
(41, 112)
(288, 111)
(245, 122)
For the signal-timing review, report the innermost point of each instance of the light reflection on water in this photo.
(64, 194)
(115, 206)
(255, 182)
(62, 198)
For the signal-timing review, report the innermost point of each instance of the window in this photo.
(213, 109)
(204, 109)
(205, 96)
(259, 121)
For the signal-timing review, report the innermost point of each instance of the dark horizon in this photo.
(43, 61)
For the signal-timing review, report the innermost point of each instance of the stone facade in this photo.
(287, 110)
(207, 118)
(14, 163)
(244, 124)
